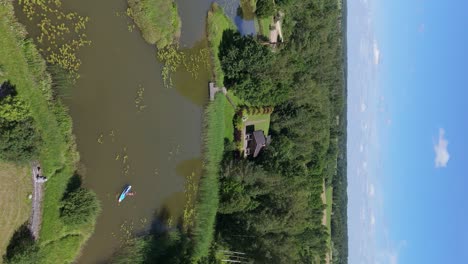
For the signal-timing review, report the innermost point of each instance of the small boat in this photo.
(124, 193)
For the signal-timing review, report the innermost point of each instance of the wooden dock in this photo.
(213, 90)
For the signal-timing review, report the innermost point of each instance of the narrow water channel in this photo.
(129, 127)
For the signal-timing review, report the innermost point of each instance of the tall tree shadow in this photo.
(165, 242)
(21, 243)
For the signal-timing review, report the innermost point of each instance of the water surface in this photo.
(130, 128)
(152, 149)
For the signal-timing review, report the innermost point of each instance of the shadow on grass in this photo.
(22, 245)
(6, 88)
(74, 184)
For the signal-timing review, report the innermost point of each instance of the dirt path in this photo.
(37, 195)
(324, 216)
(324, 201)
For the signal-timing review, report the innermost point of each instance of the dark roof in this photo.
(260, 141)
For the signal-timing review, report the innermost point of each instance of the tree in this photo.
(265, 8)
(80, 207)
(22, 248)
(252, 71)
(18, 136)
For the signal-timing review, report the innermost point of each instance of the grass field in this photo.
(264, 26)
(262, 122)
(15, 207)
(24, 67)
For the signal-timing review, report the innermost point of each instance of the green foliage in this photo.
(62, 80)
(158, 20)
(62, 250)
(170, 246)
(19, 139)
(217, 24)
(208, 194)
(25, 68)
(80, 207)
(22, 249)
(12, 109)
(240, 183)
(265, 8)
(339, 226)
(135, 251)
(252, 71)
(276, 199)
(247, 9)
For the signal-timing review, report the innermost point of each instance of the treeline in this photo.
(270, 207)
(19, 139)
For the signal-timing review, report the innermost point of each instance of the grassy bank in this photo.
(158, 20)
(217, 23)
(218, 126)
(208, 194)
(14, 203)
(26, 70)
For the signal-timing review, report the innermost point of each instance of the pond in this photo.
(132, 129)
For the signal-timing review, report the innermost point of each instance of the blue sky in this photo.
(408, 131)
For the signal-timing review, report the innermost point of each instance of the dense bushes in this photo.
(158, 20)
(79, 207)
(252, 71)
(271, 208)
(22, 249)
(19, 139)
(265, 8)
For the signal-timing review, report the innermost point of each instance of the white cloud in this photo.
(371, 190)
(363, 107)
(394, 254)
(442, 156)
(361, 148)
(376, 52)
(372, 219)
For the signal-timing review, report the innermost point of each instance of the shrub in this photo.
(18, 136)
(252, 71)
(158, 20)
(265, 8)
(80, 207)
(22, 249)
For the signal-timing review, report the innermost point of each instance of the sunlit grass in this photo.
(217, 23)
(208, 200)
